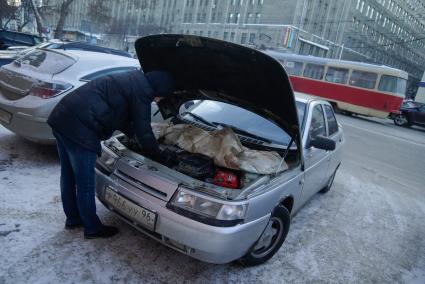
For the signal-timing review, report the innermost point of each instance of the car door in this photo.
(419, 115)
(334, 133)
(316, 161)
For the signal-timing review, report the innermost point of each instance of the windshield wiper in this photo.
(199, 118)
(243, 132)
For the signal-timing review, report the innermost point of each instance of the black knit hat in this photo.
(161, 82)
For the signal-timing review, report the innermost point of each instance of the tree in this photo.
(6, 12)
(24, 14)
(63, 13)
(98, 12)
(38, 19)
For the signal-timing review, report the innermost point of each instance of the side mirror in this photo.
(324, 143)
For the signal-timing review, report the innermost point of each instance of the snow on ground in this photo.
(363, 231)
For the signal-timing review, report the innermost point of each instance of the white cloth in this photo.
(221, 145)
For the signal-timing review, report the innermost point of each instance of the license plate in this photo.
(130, 209)
(5, 116)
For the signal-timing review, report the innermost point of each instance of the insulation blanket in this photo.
(221, 145)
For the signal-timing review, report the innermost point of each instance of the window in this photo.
(317, 126)
(337, 75)
(226, 36)
(106, 72)
(392, 84)
(251, 38)
(243, 38)
(363, 79)
(46, 61)
(314, 71)
(332, 124)
(294, 68)
(24, 38)
(230, 18)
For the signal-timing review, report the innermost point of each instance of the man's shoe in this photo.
(105, 232)
(73, 226)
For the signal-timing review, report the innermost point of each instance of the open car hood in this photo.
(224, 72)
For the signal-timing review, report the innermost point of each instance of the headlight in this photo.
(207, 211)
(107, 159)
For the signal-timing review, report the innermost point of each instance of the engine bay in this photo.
(198, 166)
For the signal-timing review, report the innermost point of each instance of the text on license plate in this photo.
(5, 116)
(136, 213)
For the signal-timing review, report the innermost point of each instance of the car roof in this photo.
(15, 32)
(306, 98)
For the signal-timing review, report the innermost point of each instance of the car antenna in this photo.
(284, 155)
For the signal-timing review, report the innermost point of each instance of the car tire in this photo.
(330, 183)
(401, 120)
(270, 240)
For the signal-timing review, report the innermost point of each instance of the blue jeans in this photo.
(78, 184)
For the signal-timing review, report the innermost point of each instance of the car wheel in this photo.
(329, 184)
(270, 240)
(401, 120)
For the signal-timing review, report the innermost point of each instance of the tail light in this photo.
(46, 90)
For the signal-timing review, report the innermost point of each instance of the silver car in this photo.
(247, 154)
(32, 85)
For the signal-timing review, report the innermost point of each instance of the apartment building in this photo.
(386, 32)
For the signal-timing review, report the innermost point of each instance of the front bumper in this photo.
(198, 240)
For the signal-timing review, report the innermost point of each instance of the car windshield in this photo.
(242, 120)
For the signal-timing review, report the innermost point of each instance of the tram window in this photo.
(392, 84)
(337, 75)
(294, 68)
(314, 71)
(363, 79)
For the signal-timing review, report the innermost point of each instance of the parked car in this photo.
(32, 85)
(13, 53)
(11, 38)
(411, 113)
(247, 156)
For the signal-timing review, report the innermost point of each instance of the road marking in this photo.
(385, 135)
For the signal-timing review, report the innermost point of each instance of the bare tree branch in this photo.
(38, 18)
(64, 9)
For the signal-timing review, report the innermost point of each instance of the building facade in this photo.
(388, 32)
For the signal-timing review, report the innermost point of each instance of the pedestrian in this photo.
(90, 114)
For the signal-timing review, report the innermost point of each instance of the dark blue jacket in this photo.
(121, 101)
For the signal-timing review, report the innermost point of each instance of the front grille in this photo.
(145, 187)
(146, 178)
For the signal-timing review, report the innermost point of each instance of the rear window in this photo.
(46, 61)
(363, 79)
(314, 71)
(24, 39)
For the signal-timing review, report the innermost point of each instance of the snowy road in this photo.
(369, 228)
